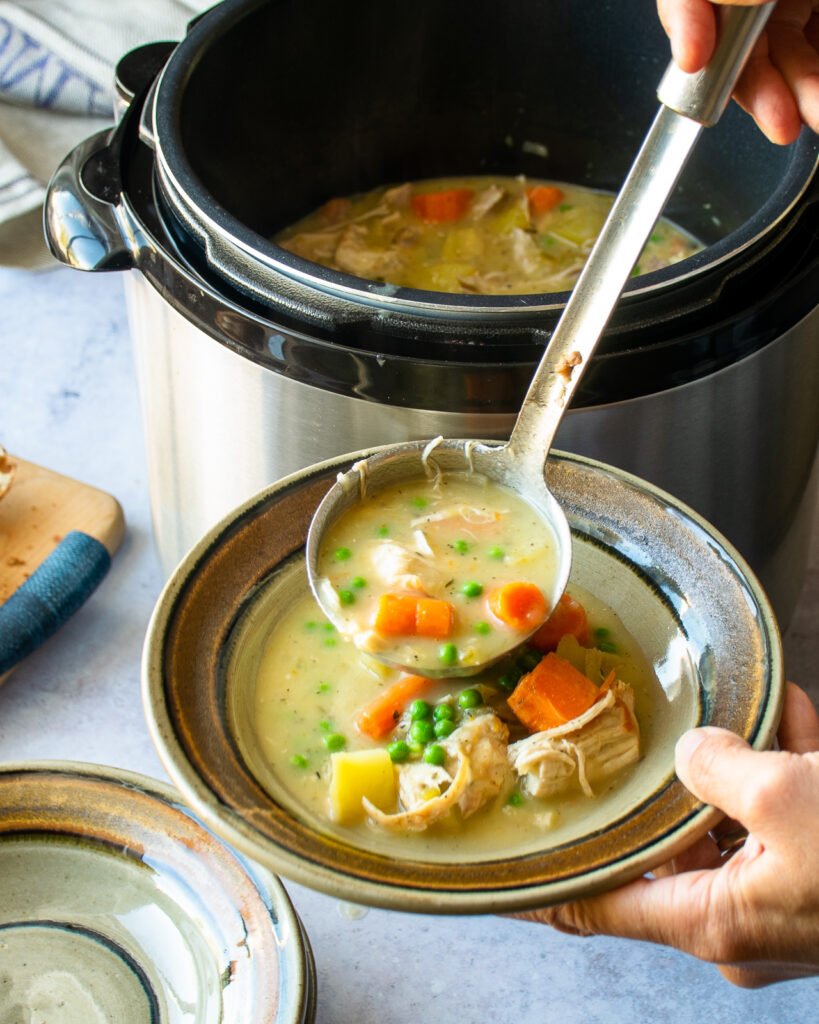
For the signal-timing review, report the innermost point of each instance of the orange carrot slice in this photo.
(378, 718)
(411, 615)
(434, 618)
(439, 207)
(519, 604)
(396, 615)
(568, 616)
(553, 693)
(543, 198)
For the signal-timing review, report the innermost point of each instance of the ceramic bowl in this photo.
(682, 592)
(117, 904)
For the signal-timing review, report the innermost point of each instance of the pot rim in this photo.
(254, 263)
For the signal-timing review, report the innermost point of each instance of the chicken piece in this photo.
(590, 748)
(528, 256)
(399, 196)
(483, 742)
(402, 569)
(313, 245)
(475, 771)
(433, 794)
(355, 255)
(485, 200)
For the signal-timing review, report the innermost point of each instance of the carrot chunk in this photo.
(410, 615)
(434, 618)
(543, 198)
(439, 207)
(378, 718)
(519, 604)
(553, 693)
(568, 617)
(396, 615)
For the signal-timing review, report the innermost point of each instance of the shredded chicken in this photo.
(476, 769)
(485, 200)
(590, 748)
(402, 569)
(354, 255)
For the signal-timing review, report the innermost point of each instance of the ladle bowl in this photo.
(417, 460)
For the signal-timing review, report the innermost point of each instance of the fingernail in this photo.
(687, 744)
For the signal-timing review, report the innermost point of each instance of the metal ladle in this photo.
(689, 102)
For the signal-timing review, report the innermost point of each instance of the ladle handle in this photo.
(636, 210)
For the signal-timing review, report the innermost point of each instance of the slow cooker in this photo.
(253, 363)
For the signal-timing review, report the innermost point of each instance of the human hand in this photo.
(757, 913)
(779, 87)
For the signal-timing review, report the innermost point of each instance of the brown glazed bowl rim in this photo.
(109, 824)
(701, 584)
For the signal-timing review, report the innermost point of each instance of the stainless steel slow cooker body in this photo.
(253, 364)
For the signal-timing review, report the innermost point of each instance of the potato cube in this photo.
(356, 774)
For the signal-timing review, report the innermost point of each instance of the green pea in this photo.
(328, 627)
(422, 731)
(482, 628)
(346, 596)
(415, 746)
(461, 546)
(311, 626)
(299, 761)
(470, 699)
(329, 641)
(383, 531)
(325, 725)
(435, 754)
(472, 589)
(507, 682)
(323, 688)
(602, 633)
(443, 711)
(496, 553)
(398, 751)
(515, 799)
(529, 659)
(419, 502)
(358, 582)
(335, 742)
(607, 647)
(444, 727)
(342, 554)
(654, 238)
(448, 654)
(419, 709)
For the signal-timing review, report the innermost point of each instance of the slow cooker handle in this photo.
(83, 199)
(80, 212)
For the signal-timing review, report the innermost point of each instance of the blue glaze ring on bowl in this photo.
(681, 591)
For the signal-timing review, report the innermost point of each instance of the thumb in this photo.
(721, 769)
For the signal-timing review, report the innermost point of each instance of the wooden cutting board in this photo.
(42, 509)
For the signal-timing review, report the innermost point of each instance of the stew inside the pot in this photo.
(480, 235)
(417, 766)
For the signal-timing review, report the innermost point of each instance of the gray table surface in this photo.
(68, 401)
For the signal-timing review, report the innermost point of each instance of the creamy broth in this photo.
(421, 571)
(310, 686)
(480, 235)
